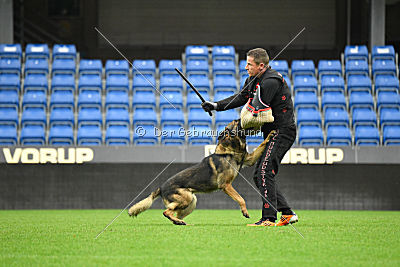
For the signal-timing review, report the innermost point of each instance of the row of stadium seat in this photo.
(172, 134)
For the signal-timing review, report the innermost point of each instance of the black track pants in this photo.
(267, 168)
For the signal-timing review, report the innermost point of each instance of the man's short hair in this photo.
(259, 55)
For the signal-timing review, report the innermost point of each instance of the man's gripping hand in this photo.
(208, 106)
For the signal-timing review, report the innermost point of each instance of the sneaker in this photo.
(286, 219)
(263, 222)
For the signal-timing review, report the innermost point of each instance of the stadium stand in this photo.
(329, 106)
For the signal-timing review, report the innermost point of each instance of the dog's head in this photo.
(233, 137)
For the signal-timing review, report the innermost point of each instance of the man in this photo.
(275, 93)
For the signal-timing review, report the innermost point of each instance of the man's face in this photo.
(252, 67)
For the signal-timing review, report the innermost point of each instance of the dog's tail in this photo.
(145, 204)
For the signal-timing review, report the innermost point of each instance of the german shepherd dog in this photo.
(215, 172)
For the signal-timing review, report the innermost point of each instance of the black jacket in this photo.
(274, 92)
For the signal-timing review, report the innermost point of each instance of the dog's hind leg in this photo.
(185, 212)
(169, 213)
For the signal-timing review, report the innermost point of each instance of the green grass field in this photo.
(216, 238)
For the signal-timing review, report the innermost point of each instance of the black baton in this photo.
(191, 86)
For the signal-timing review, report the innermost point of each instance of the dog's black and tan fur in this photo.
(215, 172)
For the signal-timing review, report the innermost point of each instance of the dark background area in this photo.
(113, 186)
(142, 31)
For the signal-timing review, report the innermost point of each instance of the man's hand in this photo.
(208, 106)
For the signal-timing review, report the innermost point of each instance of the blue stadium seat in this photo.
(89, 99)
(9, 98)
(144, 82)
(117, 116)
(91, 66)
(242, 67)
(193, 100)
(171, 82)
(171, 98)
(329, 67)
(61, 135)
(34, 99)
(144, 116)
(34, 115)
(201, 82)
(172, 116)
(10, 82)
(303, 67)
(223, 67)
(196, 52)
(383, 52)
(357, 67)
(308, 116)
(305, 83)
(361, 99)
(144, 66)
(306, 99)
(332, 83)
(281, 66)
(89, 135)
(356, 52)
(62, 115)
(144, 99)
(311, 135)
(63, 66)
(10, 51)
(387, 99)
(336, 116)
(389, 116)
(359, 83)
(36, 66)
(64, 51)
(364, 116)
(117, 135)
(223, 52)
(146, 136)
(173, 135)
(119, 67)
(33, 135)
(64, 82)
(225, 83)
(391, 135)
(197, 116)
(167, 66)
(61, 98)
(90, 82)
(223, 118)
(37, 51)
(200, 135)
(221, 95)
(9, 115)
(117, 98)
(365, 135)
(386, 83)
(383, 67)
(8, 135)
(36, 82)
(333, 99)
(10, 65)
(90, 115)
(338, 135)
(197, 66)
(119, 82)
(243, 80)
